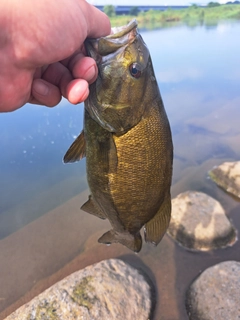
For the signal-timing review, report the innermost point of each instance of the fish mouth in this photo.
(120, 37)
(118, 32)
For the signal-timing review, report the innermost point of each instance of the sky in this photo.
(152, 2)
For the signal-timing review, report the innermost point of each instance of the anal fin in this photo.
(155, 229)
(77, 150)
(92, 208)
(133, 242)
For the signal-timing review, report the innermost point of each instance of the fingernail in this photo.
(40, 88)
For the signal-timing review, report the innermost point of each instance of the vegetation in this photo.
(134, 11)
(213, 4)
(109, 10)
(192, 16)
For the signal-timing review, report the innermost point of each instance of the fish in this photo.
(127, 142)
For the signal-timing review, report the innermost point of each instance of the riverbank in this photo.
(193, 15)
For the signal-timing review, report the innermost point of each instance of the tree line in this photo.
(110, 10)
(134, 11)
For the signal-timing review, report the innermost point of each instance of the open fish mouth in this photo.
(119, 37)
(121, 31)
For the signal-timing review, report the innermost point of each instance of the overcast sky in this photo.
(151, 2)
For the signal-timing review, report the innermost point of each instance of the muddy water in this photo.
(43, 234)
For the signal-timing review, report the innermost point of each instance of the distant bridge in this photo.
(125, 9)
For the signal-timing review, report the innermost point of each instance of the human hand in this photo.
(42, 56)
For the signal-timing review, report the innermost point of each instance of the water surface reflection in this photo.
(44, 236)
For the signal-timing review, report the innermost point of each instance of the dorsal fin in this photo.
(77, 150)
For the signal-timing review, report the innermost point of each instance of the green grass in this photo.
(191, 16)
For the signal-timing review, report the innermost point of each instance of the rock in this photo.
(215, 294)
(227, 176)
(110, 289)
(199, 222)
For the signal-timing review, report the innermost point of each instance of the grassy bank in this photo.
(192, 16)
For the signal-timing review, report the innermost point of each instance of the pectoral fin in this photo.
(92, 208)
(133, 242)
(77, 150)
(155, 229)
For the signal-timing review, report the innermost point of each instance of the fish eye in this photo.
(135, 70)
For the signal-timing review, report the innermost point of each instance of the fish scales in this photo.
(127, 142)
(140, 170)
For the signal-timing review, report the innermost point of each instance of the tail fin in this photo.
(133, 242)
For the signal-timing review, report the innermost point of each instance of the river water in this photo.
(43, 234)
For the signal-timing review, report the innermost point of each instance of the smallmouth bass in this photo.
(127, 142)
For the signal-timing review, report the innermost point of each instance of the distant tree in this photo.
(213, 4)
(109, 10)
(194, 6)
(133, 11)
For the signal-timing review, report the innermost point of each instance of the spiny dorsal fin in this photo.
(155, 229)
(92, 208)
(77, 150)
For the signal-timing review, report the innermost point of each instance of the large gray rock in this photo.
(227, 176)
(215, 294)
(107, 290)
(199, 222)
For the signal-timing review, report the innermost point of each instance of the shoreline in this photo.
(192, 15)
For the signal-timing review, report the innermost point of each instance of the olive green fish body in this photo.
(127, 142)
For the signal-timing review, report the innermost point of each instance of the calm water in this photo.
(41, 226)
